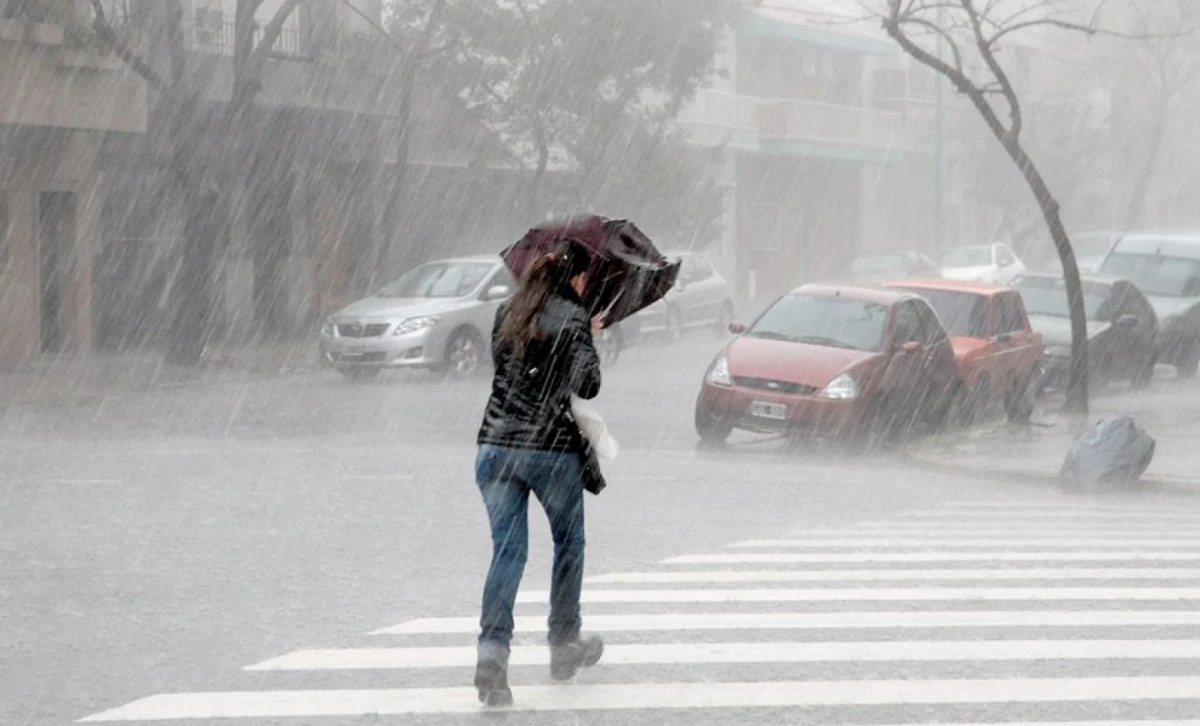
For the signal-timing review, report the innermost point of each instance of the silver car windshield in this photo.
(1156, 274)
(439, 279)
(1045, 296)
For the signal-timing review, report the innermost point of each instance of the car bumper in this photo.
(801, 414)
(421, 349)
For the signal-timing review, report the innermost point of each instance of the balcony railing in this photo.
(847, 125)
(218, 38)
(720, 109)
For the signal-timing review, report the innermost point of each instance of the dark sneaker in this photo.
(568, 658)
(491, 677)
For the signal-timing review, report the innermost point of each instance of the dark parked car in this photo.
(1122, 328)
(701, 299)
(827, 359)
(1166, 268)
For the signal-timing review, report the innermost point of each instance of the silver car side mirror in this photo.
(497, 292)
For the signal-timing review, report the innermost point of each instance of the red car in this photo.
(827, 359)
(998, 353)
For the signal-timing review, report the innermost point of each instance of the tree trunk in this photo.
(1136, 211)
(1077, 381)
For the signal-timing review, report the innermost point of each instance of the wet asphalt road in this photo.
(160, 543)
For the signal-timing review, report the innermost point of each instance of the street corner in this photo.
(1028, 453)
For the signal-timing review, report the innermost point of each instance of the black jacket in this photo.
(529, 407)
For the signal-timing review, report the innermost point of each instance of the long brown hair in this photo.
(552, 272)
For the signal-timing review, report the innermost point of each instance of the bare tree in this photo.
(416, 25)
(196, 148)
(1172, 66)
(972, 32)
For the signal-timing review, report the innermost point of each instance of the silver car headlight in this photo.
(329, 329)
(718, 375)
(842, 388)
(412, 325)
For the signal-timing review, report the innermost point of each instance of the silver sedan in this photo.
(436, 317)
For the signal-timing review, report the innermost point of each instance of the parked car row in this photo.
(863, 359)
(439, 316)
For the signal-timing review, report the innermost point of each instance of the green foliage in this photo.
(587, 91)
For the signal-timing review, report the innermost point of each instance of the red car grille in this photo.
(766, 384)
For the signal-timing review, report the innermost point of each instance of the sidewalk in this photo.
(68, 378)
(1033, 454)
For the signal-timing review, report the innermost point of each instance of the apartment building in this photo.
(832, 139)
(90, 244)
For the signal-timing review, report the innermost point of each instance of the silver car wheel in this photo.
(464, 354)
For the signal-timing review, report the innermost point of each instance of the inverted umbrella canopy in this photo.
(627, 274)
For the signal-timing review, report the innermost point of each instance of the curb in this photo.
(240, 375)
(1030, 477)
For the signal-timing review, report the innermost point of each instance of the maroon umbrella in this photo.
(627, 272)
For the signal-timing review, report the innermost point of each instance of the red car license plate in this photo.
(768, 409)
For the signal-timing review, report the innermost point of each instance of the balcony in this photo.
(809, 128)
(843, 131)
(717, 117)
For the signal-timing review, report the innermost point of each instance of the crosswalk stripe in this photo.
(995, 529)
(775, 652)
(784, 558)
(882, 594)
(1067, 516)
(703, 576)
(626, 696)
(1055, 506)
(529, 624)
(891, 542)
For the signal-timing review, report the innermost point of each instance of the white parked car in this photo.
(436, 317)
(994, 263)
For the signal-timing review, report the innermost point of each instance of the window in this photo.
(931, 328)
(960, 313)
(1004, 256)
(1007, 315)
(438, 279)
(975, 256)
(1048, 296)
(837, 322)
(503, 277)
(701, 270)
(1156, 274)
(908, 325)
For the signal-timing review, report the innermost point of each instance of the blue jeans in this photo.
(506, 477)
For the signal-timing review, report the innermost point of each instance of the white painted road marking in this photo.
(881, 594)
(1116, 516)
(631, 696)
(787, 558)
(775, 652)
(1097, 540)
(1013, 573)
(820, 621)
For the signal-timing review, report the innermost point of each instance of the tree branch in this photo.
(271, 33)
(989, 57)
(107, 33)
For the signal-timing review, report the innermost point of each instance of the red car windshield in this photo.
(961, 313)
(837, 322)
